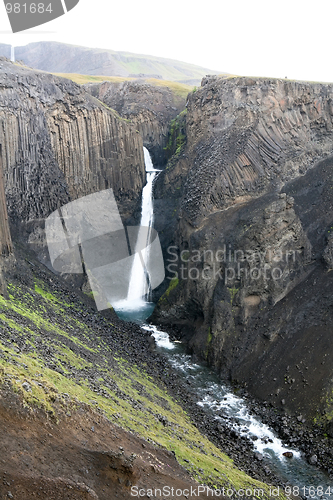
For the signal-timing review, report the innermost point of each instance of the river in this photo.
(220, 401)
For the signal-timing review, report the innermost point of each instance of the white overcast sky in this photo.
(245, 37)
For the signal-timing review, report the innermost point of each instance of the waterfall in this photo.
(139, 290)
(139, 284)
(12, 53)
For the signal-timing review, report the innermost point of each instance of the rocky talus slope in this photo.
(89, 409)
(150, 109)
(247, 205)
(60, 143)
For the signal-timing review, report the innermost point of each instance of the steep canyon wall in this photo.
(246, 137)
(247, 208)
(6, 246)
(246, 204)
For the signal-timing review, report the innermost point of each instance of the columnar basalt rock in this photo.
(6, 246)
(59, 143)
(249, 136)
(96, 150)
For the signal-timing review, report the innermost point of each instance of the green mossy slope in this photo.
(54, 351)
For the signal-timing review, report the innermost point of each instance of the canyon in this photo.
(243, 209)
(59, 143)
(149, 108)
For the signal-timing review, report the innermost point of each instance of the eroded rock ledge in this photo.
(246, 137)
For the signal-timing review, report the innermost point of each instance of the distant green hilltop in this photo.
(56, 57)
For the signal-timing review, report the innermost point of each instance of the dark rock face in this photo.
(59, 143)
(246, 137)
(251, 205)
(149, 108)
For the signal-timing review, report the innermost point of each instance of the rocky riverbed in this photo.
(294, 431)
(245, 214)
(137, 346)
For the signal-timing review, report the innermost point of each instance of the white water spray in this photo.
(12, 53)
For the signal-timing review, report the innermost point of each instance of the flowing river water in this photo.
(215, 397)
(222, 404)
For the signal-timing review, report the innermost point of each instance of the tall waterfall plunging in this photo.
(215, 397)
(138, 305)
(139, 285)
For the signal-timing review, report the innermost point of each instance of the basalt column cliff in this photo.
(149, 107)
(60, 143)
(6, 246)
(87, 409)
(247, 209)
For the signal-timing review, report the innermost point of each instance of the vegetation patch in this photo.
(232, 291)
(173, 284)
(82, 79)
(177, 135)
